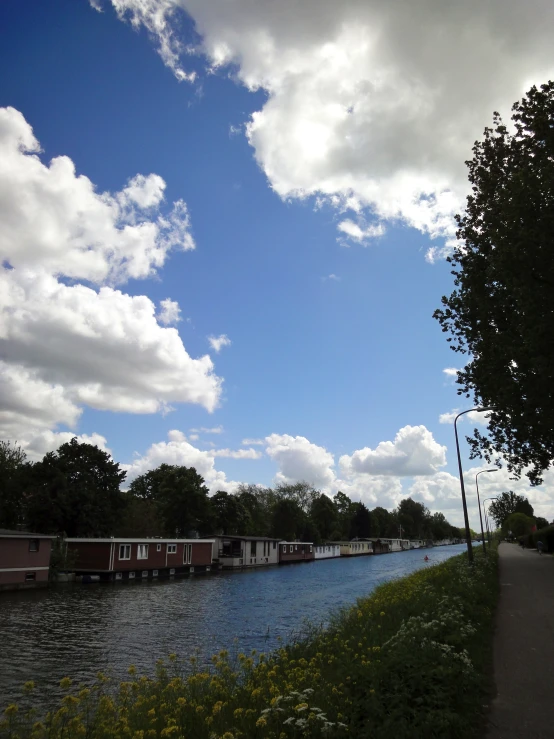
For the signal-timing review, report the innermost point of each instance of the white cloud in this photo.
(299, 459)
(333, 277)
(218, 342)
(204, 430)
(475, 417)
(252, 442)
(54, 220)
(238, 453)
(106, 348)
(170, 312)
(157, 17)
(361, 234)
(376, 103)
(451, 372)
(64, 344)
(178, 451)
(413, 452)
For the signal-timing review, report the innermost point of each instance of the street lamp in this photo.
(479, 504)
(466, 518)
(493, 497)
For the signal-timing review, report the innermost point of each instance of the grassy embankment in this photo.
(411, 660)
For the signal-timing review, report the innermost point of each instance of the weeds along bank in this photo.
(409, 661)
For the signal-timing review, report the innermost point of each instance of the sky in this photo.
(225, 228)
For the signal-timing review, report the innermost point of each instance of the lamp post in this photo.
(466, 518)
(493, 497)
(479, 504)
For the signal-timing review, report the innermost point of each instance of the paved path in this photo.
(524, 647)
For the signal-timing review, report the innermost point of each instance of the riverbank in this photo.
(407, 661)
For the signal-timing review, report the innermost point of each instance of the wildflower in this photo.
(382, 613)
(261, 722)
(132, 670)
(11, 710)
(237, 713)
(65, 683)
(28, 686)
(181, 701)
(301, 707)
(199, 709)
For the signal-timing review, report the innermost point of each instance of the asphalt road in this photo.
(524, 647)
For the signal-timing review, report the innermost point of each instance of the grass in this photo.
(411, 660)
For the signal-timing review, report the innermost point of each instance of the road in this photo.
(524, 647)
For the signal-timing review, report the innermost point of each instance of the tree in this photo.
(518, 524)
(13, 462)
(440, 528)
(75, 490)
(508, 503)
(229, 513)
(380, 521)
(500, 314)
(542, 523)
(324, 515)
(287, 520)
(180, 497)
(141, 518)
(360, 523)
(302, 492)
(414, 518)
(345, 511)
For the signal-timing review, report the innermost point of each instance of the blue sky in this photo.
(320, 175)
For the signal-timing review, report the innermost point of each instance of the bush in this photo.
(408, 661)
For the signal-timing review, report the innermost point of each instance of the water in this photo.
(78, 630)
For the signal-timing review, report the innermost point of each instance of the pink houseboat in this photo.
(24, 559)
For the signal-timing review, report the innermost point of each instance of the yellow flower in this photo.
(228, 735)
(181, 701)
(172, 657)
(261, 722)
(237, 713)
(199, 709)
(132, 670)
(382, 613)
(11, 710)
(151, 712)
(65, 683)
(28, 686)
(169, 730)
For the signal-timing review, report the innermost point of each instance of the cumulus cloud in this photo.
(252, 442)
(53, 219)
(157, 18)
(359, 233)
(377, 103)
(413, 452)
(299, 459)
(237, 453)
(475, 417)
(218, 342)
(169, 312)
(106, 348)
(451, 372)
(65, 345)
(179, 451)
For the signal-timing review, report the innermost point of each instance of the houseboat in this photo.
(236, 552)
(133, 559)
(296, 551)
(354, 548)
(326, 551)
(395, 545)
(380, 546)
(24, 559)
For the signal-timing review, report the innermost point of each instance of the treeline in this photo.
(76, 490)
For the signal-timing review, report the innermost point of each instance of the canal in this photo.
(78, 630)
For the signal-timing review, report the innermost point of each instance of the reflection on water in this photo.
(78, 630)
